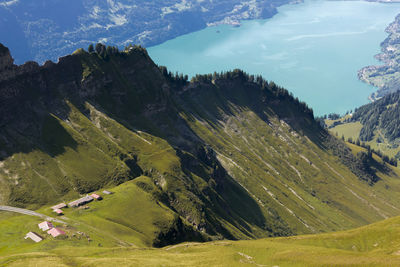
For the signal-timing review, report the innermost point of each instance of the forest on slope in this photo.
(375, 126)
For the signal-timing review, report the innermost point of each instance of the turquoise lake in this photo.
(313, 49)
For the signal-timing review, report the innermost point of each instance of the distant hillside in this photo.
(43, 29)
(226, 155)
(376, 124)
(387, 76)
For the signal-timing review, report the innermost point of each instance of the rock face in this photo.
(6, 61)
(55, 28)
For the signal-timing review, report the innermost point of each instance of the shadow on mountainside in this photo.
(131, 90)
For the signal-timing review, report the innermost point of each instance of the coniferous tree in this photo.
(110, 51)
(91, 48)
(99, 48)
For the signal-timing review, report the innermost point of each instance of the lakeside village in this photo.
(55, 232)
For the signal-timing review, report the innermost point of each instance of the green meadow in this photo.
(373, 245)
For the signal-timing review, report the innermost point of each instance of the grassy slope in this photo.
(129, 217)
(348, 130)
(373, 245)
(144, 217)
(278, 181)
(352, 130)
(286, 172)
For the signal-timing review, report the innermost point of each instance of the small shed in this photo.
(107, 192)
(58, 211)
(34, 236)
(96, 196)
(44, 226)
(56, 232)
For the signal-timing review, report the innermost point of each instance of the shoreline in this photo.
(385, 77)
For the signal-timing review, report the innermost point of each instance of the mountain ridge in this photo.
(226, 155)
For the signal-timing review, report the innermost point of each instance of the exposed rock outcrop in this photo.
(6, 60)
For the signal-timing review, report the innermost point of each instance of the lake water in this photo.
(313, 49)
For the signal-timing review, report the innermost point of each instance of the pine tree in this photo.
(99, 47)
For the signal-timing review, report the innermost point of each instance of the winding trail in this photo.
(30, 213)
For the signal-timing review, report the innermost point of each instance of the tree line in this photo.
(106, 51)
(392, 161)
(383, 114)
(237, 74)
